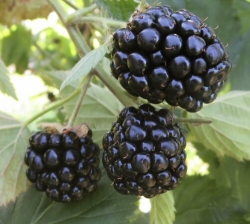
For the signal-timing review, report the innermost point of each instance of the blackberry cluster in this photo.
(64, 166)
(144, 152)
(171, 56)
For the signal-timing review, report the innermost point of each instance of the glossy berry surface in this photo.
(144, 151)
(163, 55)
(64, 166)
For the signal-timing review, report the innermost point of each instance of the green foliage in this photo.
(163, 209)
(120, 10)
(5, 84)
(228, 134)
(16, 48)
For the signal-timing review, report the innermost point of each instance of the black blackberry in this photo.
(144, 151)
(64, 166)
(170, 56)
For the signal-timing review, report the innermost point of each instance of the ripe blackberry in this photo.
(170, 56)
(144, 151)
(64, 165)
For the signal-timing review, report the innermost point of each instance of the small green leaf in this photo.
(199, 200)
(5, 84)
(13, 144)
(229, 132)
(163, 209)
(118, 9)
(85, 65)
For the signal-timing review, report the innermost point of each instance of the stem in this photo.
(53, 106)
(71, 4)
(94, 19)
(80, 12)
(79, 101)
(192, 121)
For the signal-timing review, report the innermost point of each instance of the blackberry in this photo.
(144, 151)
(172, 56)
(64, 165)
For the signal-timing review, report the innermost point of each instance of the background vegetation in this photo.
(48, 47)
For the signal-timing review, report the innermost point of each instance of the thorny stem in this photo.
(192, 121)
(80, 100)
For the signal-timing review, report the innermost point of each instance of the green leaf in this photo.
(105, 205)
(117, 9)
(242, 8)
(229, 132)
(163, 210)
(199, 200)
(85, 65)
(228, 173)
(16, 48)
(5, 84)
(13, 144)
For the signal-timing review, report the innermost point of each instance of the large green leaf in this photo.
(16, 48)
(163, 210)
(13, 144)
(120, 10)
(103, 206)
(199, 200)
(5, 84)
(229, 132)
(85, 65)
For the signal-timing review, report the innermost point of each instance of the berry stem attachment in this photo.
(53, 106)
(192, 121)
(80, 100)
